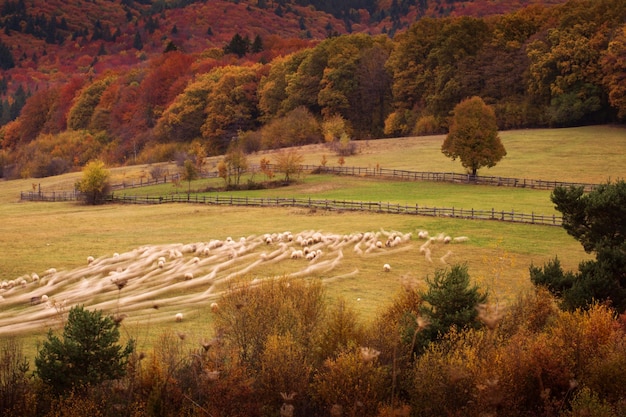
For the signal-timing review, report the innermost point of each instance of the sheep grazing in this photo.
(161, 264)
(44, 298)
(447, 239)
(34, 277)
(386, 267)
(444, 258)
(214, 307)
(460, 239)
(50, 271)
(196, 260)
(188, 276)
(427, 255)
(297, 254)
(422, 234)
(178, 317)
(90, 260)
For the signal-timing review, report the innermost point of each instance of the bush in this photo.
(94, 185)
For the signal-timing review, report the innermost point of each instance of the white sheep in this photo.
(386, 267)
(161, 264)
(90, 260)
(179, 317)
(422, 234)
(34, 277)
(460, 239)
(214, 307)
(50, 271)
(44, 298)
(447, 239)
(188, 276)
(444, 258)
(427, 255)
(297, 254)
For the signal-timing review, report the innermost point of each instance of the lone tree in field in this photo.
(88, 353)
(94, 185)
(473, 136)
(598, 221)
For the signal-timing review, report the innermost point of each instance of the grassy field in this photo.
(38, 236)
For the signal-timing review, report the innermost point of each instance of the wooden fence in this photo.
(345, 205)
(451, 177)
(52, 196)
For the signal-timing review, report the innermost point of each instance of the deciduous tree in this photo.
(473, 136)
(94, 185)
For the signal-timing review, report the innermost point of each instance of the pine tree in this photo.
(6, 57)
(450, 301)
(87, 354)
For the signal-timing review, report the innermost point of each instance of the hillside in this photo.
(50, 40)
(166, 81)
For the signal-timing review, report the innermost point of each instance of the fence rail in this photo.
(52, 196)
(309, 203)
(451, 177)
(345, 205)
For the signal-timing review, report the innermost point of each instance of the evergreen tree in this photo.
(6, 57)
(137, 42)
(238, 45)
(257, 44)
(449, 301)
(87, 354)
(598, 221)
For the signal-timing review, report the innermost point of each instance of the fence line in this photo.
(451, 177)
(396, 174)
(337, 205)
(345, 205)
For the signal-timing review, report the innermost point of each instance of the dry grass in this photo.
(37, 236)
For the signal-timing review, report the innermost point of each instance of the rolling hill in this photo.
(43, 42)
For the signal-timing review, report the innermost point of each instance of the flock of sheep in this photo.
(156, 282)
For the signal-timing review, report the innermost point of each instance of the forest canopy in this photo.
(536, 67)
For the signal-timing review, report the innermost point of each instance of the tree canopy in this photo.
(598, 221)
(88, 352)
(95, 183)
(473, 136)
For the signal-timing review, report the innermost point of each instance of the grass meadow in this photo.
(38, 236)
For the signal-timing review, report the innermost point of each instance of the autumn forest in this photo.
(144, 80)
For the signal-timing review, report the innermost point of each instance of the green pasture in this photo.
(38, 236)
(422, 193)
